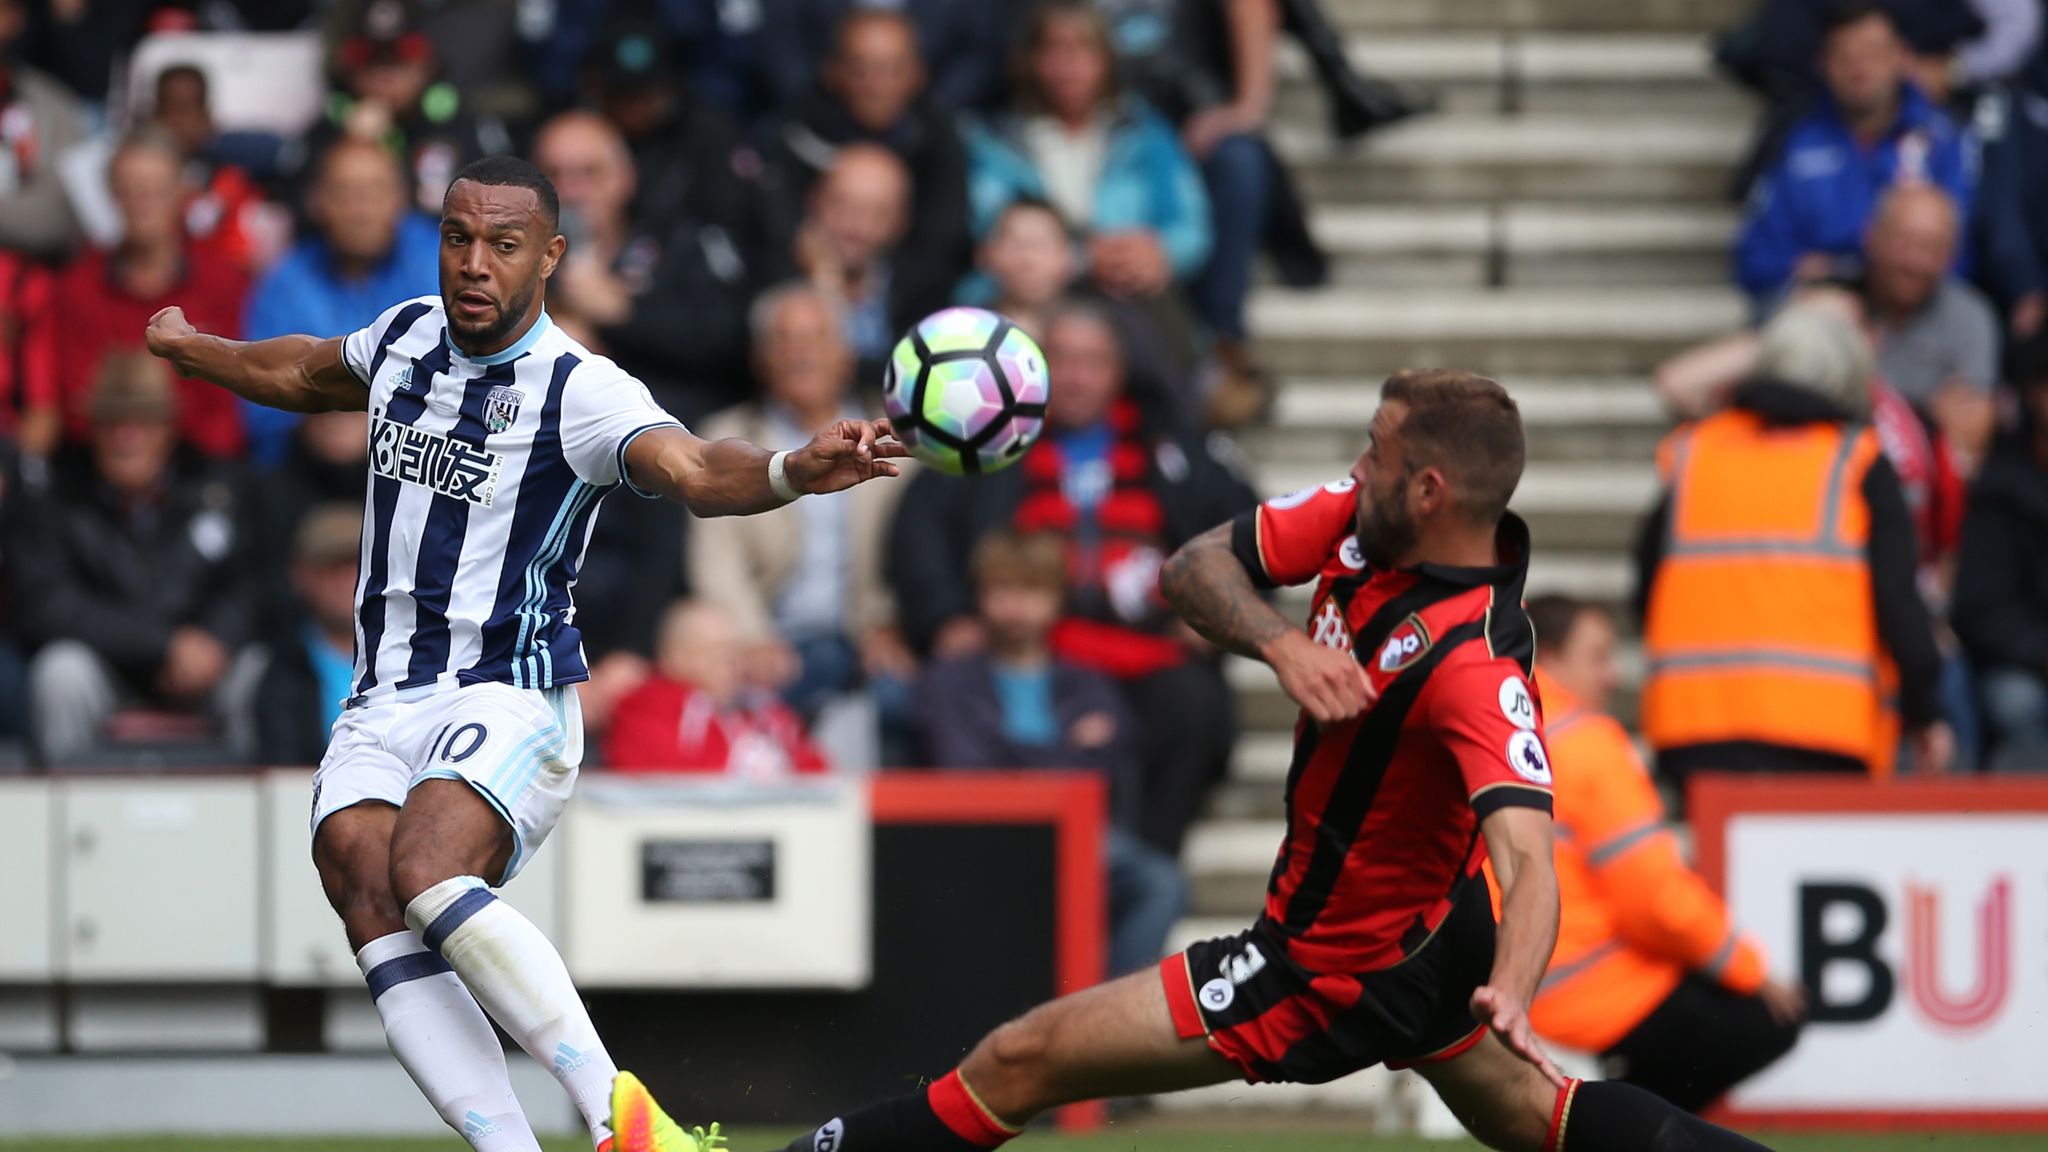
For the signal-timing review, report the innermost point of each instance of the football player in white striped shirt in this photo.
(493, 439)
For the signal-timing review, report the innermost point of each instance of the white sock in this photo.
(519, 978)
(441, 1037)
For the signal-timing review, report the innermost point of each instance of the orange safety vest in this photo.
(1634, 917)
(1762, 626)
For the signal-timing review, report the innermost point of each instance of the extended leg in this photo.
(1508, 1105)
(432, 1023)
(1116, 1039)
(446, 840)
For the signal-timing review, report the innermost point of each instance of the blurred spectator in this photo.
(873, 91)
(1871, 129)
(326, 462)
(1019, 706)
(665, 296)
(716, 44)
(130, 572)
(1112, 165)
(962, 42)
(224, 209)
(389, 91)
(368, 250)
(1998, 232)
(27, 360)
(1123, 492)
(311, 668)
(2001, 604)
(1209, 66)
(1029, 258)
(804, 584)
(104, 299)
(1649, 971)
(39, 121)
(698, 713)
(1777, 577)
(851, 245)
(475, 43)
(692, 166)
(1700, 381)
(1937, 339)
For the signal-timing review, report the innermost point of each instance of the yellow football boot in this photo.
(639, 1124)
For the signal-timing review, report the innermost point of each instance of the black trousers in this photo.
(1187, 720)
(1700, 1042)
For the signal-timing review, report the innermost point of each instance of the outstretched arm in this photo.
(295, 373)
(1518, 842)
(731, 477)
(1208, 586)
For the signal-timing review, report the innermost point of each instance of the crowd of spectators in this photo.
(1892, 251)
(758, 199)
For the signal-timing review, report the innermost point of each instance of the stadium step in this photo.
(1483, 158)
(1527, 245)
(1509, 333)
(1509, 71)
(1364, 17)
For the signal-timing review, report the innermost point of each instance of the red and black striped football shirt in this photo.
(1383, 810)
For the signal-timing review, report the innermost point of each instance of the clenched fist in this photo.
(167, 330)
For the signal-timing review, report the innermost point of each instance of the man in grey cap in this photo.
(130, 576)
(1777, 577)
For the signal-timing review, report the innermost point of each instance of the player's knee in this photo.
(413, 871)
(1009, 1069)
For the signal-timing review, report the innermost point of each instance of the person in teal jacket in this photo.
(1111, 165)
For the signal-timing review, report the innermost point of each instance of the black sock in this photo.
(1609, 1116)
(911, 1123)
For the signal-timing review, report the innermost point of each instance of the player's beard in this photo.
(510, 312)
(1386, 530)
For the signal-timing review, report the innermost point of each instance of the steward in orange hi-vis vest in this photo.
(1635, 918)
(1648, 971)
(1783, 627)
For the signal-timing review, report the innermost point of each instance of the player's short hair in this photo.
(1554, 616)
(1010, 559)
(1847, 12)
(512, 172)
(1466, 426)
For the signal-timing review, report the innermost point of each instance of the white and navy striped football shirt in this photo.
(485, 477)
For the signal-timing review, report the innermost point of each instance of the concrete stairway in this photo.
(1559, 224)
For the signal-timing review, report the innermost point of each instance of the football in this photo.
(965, 390)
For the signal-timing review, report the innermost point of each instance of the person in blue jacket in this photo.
(367, 249)
(1871, 129)
(1112, 165)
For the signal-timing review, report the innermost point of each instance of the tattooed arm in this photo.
(1210, 589)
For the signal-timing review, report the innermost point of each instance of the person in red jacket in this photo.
(696, 715)
(104, 299)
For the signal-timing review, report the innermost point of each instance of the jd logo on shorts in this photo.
(828, 1137)
(1221, 992)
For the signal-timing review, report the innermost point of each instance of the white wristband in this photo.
(778, 478)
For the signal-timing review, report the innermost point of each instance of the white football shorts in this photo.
(518, 747)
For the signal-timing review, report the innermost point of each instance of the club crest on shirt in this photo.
(1407, 645)
(501, 408)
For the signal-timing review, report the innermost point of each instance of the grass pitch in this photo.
(1147, 1138)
